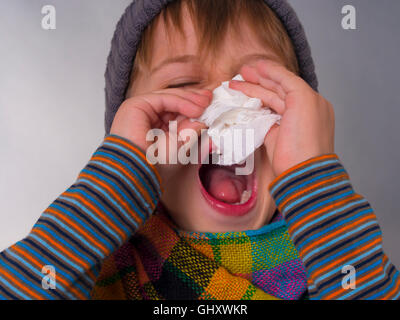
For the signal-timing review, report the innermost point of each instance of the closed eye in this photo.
(182, 85)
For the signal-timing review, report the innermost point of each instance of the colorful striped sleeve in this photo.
(62, 255)
(335, 232)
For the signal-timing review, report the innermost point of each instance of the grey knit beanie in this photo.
(139, 15)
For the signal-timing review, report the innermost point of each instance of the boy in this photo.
(302, 224)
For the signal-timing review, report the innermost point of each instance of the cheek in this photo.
(264, 170)
(140, 84)
(182, 198)
(266, 205)
(180, 192)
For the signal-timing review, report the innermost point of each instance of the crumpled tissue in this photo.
(228, 117)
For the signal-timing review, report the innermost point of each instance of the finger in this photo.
(204, 92)
(282, 76)
(157, 104)
(202, 97)
(180, 118)
(190, 106)
(251, 74)
(193, 125)
(269, 98)
(167, 117)
(190, 130)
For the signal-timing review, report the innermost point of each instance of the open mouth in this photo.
(226, 192)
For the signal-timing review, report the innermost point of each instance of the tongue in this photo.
(225, 186)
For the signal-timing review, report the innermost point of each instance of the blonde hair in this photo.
(212, 18)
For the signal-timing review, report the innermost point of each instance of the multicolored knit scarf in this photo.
(161, 262)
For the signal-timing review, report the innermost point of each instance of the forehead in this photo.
(169, 42)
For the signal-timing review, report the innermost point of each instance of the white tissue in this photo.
(232, 110)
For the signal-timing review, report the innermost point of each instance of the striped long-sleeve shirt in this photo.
(330, 225)
(335, 231)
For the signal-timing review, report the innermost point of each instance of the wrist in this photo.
(281, 167)
(299, 163)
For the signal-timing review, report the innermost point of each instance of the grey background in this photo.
(52, 102)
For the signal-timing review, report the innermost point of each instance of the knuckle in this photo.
(261, 63)
(127, 104)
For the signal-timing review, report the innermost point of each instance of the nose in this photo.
(212, 86)
(215, 77)
(216, 81)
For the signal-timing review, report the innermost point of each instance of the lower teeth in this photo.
(245, 197)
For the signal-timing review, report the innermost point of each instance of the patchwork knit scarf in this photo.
(161, 262)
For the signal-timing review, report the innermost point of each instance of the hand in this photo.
(307, 126)
(138, 115)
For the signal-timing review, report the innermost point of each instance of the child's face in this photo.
(183, 197)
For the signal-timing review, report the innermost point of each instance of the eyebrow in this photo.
(178, 59)
(191, 58)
